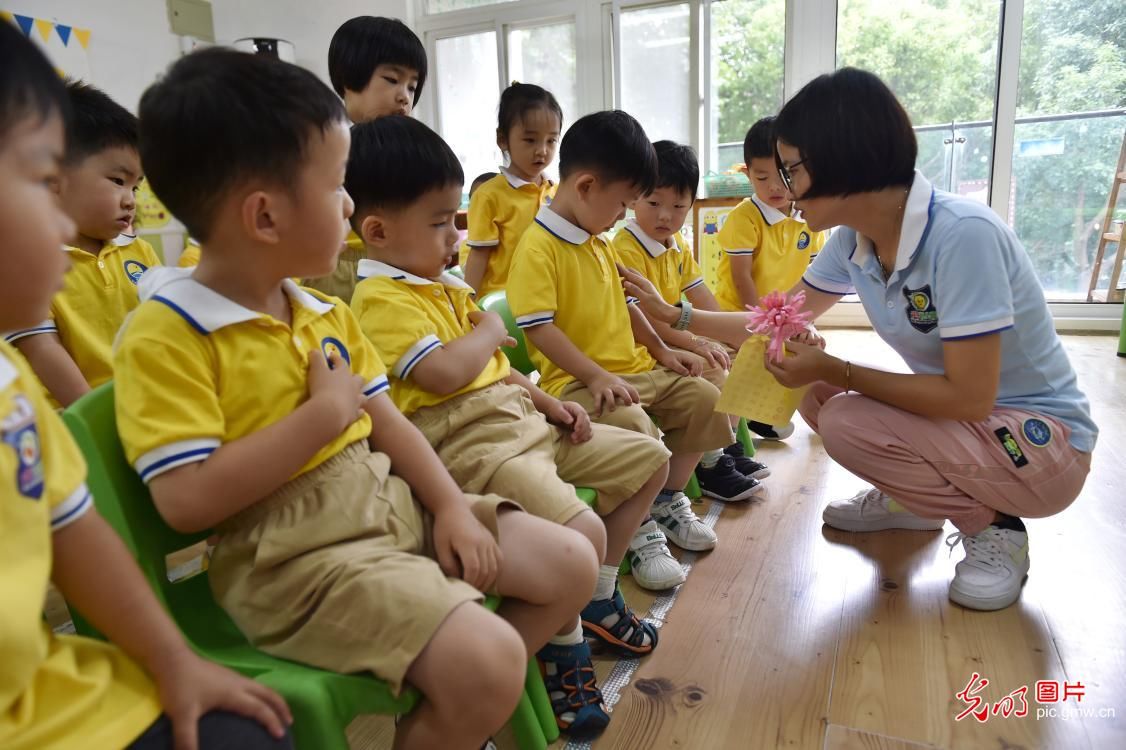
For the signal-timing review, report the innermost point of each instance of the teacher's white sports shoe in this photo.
(993, 571)
(872, 510)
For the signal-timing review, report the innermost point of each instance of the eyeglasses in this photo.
(787, 178)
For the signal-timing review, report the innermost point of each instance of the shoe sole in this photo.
(987, 604)
(664, 585)
(594, 630)
(745, 495)
(761, 474)
(908, 523)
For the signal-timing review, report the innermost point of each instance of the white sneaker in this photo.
(683, 527)
(872, 510)
(995, 567)
(651, 563)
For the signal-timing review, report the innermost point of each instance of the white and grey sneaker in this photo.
(872, 510)
(682, 526)
(994, 569)
(651, 563)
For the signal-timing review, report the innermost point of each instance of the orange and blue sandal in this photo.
(568, 675)
(612, 622)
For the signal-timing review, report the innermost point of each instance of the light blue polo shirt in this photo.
(960, 272)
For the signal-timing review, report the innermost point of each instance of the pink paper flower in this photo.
(780, 319)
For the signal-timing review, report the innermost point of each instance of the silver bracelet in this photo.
(685, 316)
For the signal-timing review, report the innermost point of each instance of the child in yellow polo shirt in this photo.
(59, 692)
(529, 121)
(593, 348)
(766, 245)
(70, 350)
(652, 244)
(378, 67)
(491, 427)
(253, 406)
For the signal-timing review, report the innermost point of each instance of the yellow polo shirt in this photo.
(407, 317)
(196, 370)
(782, 246)
(673, 270)
(565, 276)
(190, 257)
(56, 692)
(98, 292)
(499, 213)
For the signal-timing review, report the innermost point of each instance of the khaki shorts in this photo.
(341, 282)
(336, 569)
(494, 440)
(684, 407)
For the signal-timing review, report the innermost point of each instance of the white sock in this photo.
(573, 638)
(710, 458)
(607, 579)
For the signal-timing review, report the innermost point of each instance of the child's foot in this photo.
(612, 622)
(993, 571)
(744, 464)
(724, 482)
(568, 675)
(872, 510)
(682, 526)
(652, 565)
(771, 432)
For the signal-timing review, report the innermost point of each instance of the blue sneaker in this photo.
(568, 675)
(628, 636)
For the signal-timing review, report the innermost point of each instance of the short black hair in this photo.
(395, 161)
(677, 167)
(480, 180)
(759, 143)
(363, 43)
(29, 85)
(98, 123)
(614, 146)
(852, 133)
(219, 117)
(520, 98)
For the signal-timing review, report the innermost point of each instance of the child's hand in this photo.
(572, 416)
(488, 320)
(713, 353)
(339, 391)
(680, 362)
(466, 549)
(191, 687)
(609, 390)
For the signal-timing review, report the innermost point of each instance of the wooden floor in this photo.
(794, 635)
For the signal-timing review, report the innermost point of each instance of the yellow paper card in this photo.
(752, 392)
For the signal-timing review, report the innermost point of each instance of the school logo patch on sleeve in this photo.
(803, 240)
(1037, 432)
(331, 346)
(1009, 443)
(920, 309)
(20, 433)
(135, 270)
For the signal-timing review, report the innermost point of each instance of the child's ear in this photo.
(373, 230)
(584, 184)
(502, 140)
(258, 213)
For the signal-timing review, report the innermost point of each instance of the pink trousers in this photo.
(1015, 462)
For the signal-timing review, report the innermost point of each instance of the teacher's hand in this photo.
(651, 301)
(806, 364)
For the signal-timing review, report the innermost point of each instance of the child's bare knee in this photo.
(590, 525)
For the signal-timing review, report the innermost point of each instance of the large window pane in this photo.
(655, 70)
(545, 56)
(1072, 70)
(748, 43)
(467, 98)
(940, 59)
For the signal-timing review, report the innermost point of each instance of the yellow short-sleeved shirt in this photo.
(565, 276)
(98, 292)
(782, 247)
(190, 257)
(499, 213)
(673, 270)
(407, 317)
(196, 370)
(56, 692)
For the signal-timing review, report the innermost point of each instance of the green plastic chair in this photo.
(518, 355)
(323, 703)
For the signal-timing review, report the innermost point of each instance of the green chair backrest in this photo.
(518, 356)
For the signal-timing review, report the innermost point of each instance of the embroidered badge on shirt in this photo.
(1037, 432)
(803, 240)
(19, 431)
(331, 346)
(920, 309)
(134, 270)
(1009, 443)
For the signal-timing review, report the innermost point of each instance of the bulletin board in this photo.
(708, 217)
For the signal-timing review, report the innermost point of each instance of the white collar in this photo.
(771, 214)
(206, 309)
(651, 246)
(121, 240)
(367, 268)
(560, 227)
(916, 215)
(8, 372)
(513, 180)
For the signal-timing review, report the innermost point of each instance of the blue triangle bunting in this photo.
(64, 33)
(25, 23)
